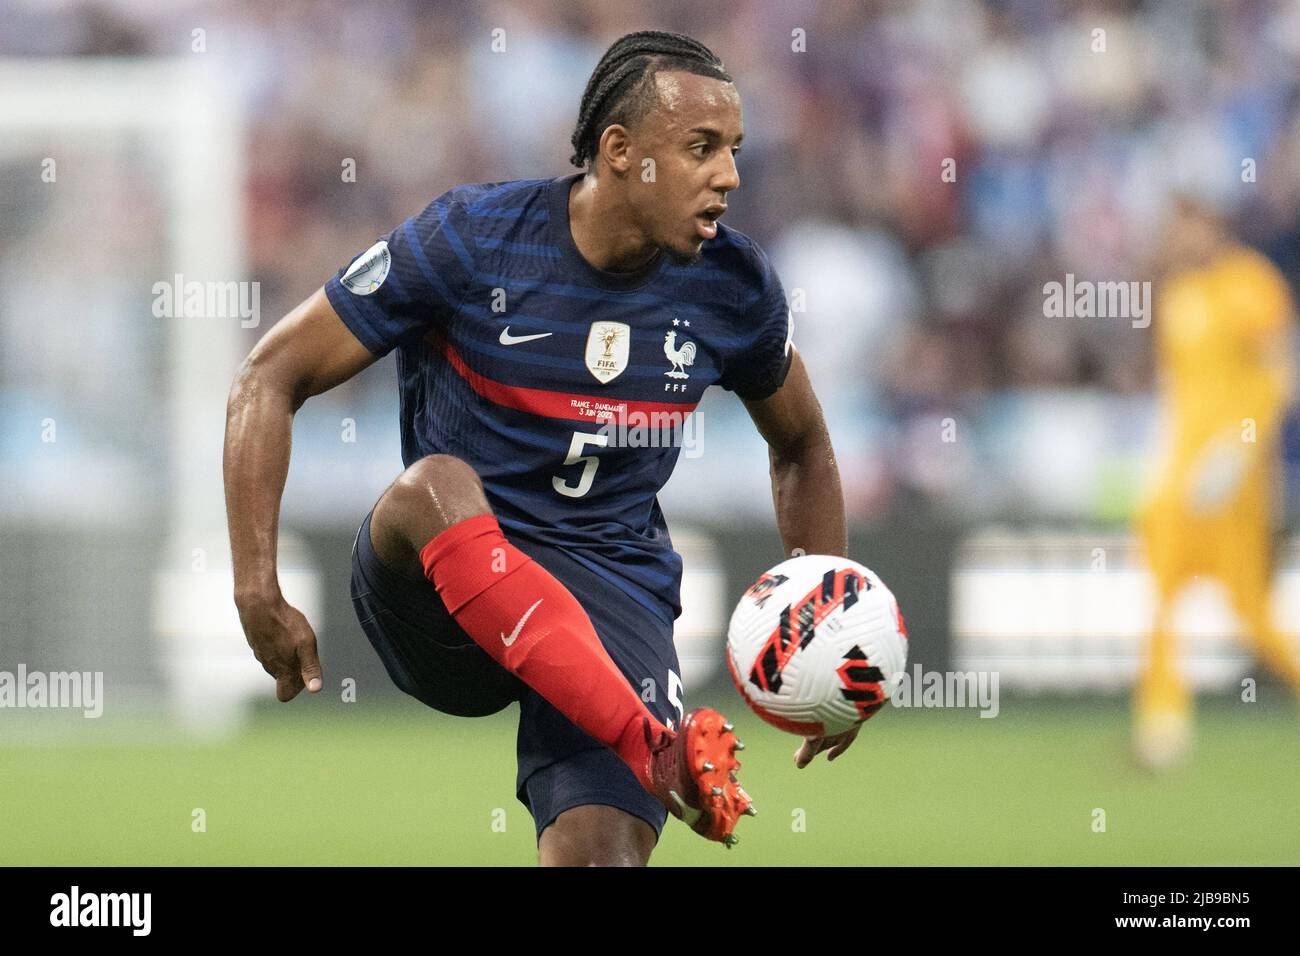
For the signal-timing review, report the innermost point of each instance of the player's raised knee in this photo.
(432, 494)
(440, 474)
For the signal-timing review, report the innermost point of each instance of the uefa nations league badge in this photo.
(369, 270)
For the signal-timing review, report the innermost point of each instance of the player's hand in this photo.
(284, 644)
(812, 746)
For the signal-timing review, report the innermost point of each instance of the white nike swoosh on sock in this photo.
(507, 641)
(508, 339)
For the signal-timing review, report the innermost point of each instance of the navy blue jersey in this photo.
(564, 386)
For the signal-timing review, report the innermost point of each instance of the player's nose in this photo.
(728, 177)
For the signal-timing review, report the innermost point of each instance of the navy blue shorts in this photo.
(430, 657)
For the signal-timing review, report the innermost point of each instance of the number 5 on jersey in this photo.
(588, 462)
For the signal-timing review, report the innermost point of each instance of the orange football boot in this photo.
(693, 774)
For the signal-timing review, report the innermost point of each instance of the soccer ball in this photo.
(817, 645)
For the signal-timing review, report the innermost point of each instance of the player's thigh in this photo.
(596, 835)
(423, 649)
(431, 495)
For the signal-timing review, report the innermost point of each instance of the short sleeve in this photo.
(408, 282)
(760, 369)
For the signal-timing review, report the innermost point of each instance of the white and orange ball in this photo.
(817, 645)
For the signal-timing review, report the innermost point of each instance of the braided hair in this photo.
(622, 87)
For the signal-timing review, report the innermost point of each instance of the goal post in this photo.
(187, 119)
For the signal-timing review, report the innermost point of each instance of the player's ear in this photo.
(615, 148)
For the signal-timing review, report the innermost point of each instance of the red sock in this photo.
(498, 594)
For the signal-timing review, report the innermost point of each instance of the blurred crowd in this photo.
(917, 169)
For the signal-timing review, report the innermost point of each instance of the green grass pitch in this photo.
(398, 784)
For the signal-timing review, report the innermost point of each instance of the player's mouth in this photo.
(706, 222)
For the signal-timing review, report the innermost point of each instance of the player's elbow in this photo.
(801, 447)
(805, 453)
(260, 375)
(247, 384)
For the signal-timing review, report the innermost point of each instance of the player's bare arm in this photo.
(308, 352)
(805, 478)
(806, 493)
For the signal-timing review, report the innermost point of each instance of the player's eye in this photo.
(701, 149)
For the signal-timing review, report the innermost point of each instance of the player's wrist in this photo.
(257, 595)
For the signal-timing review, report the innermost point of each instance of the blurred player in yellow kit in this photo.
(1222, 320)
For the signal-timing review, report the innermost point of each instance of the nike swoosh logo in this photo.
(507, 641)
(508, 339)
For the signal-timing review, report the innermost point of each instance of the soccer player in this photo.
(522, 555)
(1222, 355)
